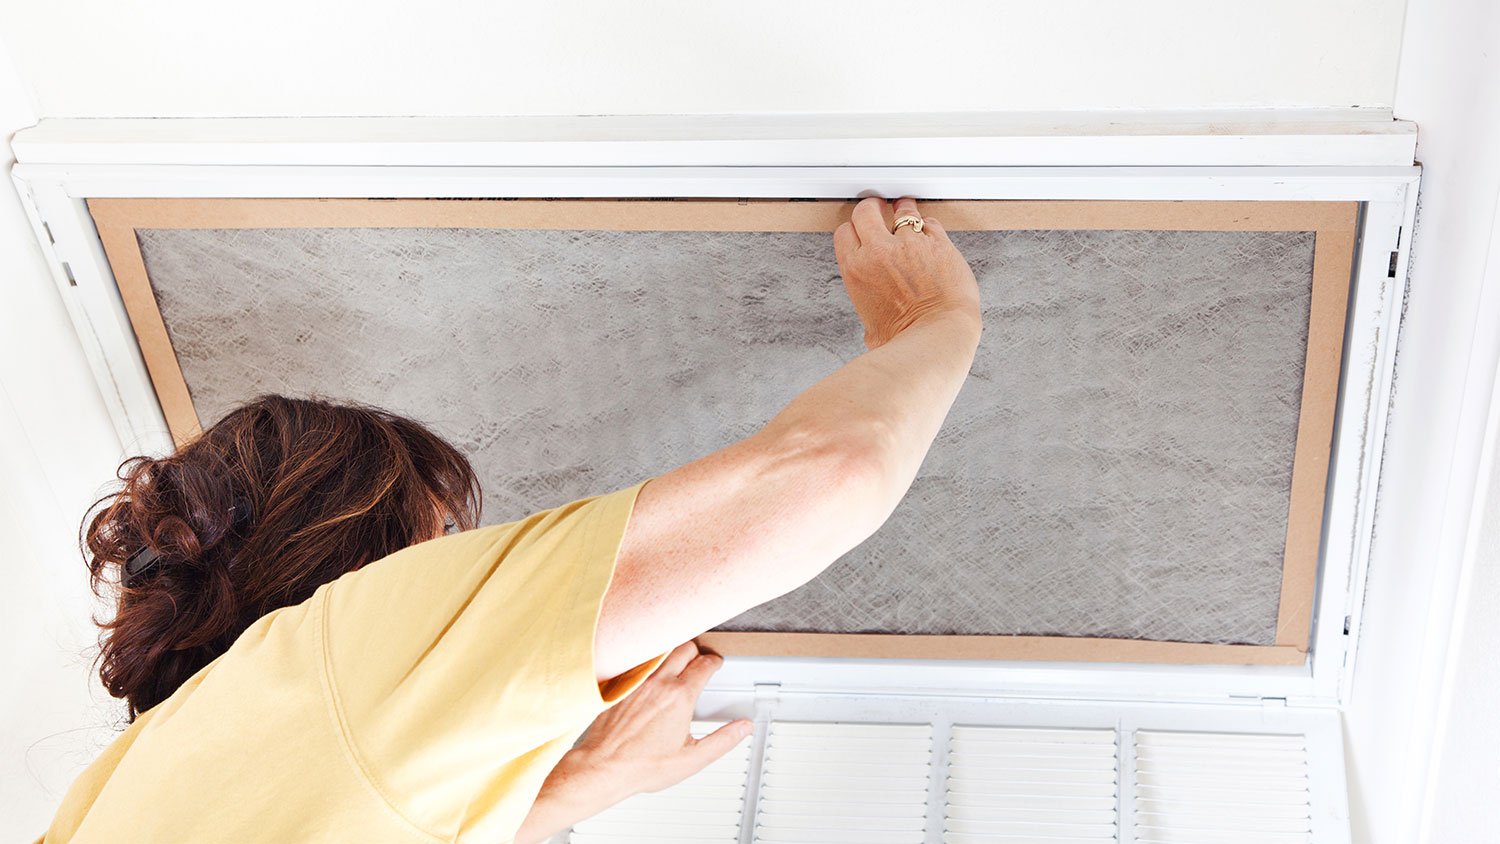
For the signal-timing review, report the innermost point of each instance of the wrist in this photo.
(577, 788)
(957, 319)
(581, 771)
(954, 330)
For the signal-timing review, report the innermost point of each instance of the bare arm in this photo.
(759, 518)
(763, 516)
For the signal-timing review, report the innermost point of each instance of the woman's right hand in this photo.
(897, 279)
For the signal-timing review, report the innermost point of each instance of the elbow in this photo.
(852, 475)
(831, 487)
(863, 467)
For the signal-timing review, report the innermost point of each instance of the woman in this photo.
(306, 657)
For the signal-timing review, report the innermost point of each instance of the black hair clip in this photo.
(145, 558)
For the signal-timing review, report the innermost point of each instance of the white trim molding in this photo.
(1238, 138)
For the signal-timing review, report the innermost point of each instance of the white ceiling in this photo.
(97, 58)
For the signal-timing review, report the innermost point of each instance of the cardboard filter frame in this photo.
(1334, 226)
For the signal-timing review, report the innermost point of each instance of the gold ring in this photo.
(908, 220)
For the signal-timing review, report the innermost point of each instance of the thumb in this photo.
(720, 742)
(845, 242)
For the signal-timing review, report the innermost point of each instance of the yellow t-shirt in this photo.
(422, 698)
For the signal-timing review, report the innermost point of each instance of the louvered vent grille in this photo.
(844, 784)
(703, 809)
(1017, 786)
(1221, 788)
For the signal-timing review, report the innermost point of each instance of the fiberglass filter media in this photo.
(1118, 464)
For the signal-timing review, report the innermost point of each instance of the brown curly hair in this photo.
(277, 498)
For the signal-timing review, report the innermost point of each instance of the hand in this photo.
(640, 744)
(896, 280)
(644, 738)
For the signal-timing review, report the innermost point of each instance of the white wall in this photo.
(1405, 731)
(1465, 773)
(56, 450)
(102, 58)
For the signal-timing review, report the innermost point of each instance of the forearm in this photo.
(890, 402)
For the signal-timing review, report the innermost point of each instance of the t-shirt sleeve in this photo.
(460, 669)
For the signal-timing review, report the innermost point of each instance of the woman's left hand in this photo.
(640, 744)
(644, 738)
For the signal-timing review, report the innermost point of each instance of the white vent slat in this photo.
(1031, 774)
(1230, 810)
(852, 743)
(811, 804)
(829, 835)
(1149, 835)
(1215, 788)
(705, 808)
(825, 785)
(1201, 740)
(1215, 757)
(799, 821)
(1027, 735)
(1226, 823)
(962, 838)
(1002, 829)
(1011, 785)
(1016, 750)
(962, 801)
(1039, 761)
(1031, 813)
(1249, 782)
(884, 734)
(967, 792)
(830, 755)
(1244, 797)
(834, 774)
(777, 796)
(838, 783)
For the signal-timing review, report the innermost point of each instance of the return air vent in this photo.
(704, 809)
(1000, 773)
(845, 784)
(1221, 788)
(1014, 785)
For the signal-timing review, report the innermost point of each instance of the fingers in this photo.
(907, 206)
(869, 224)
(930, 225)
(698, 672)
(869, 220)
(678, 659)
(721, 741)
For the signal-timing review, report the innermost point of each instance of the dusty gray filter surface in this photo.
(1118, 464)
